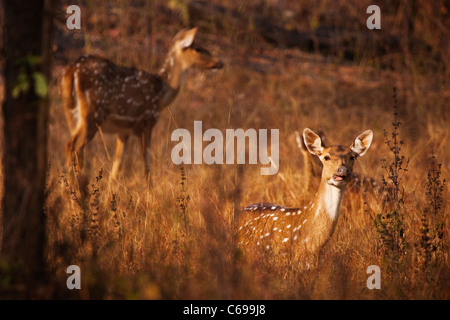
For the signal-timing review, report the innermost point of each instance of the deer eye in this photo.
(353, 158)
(326, 158)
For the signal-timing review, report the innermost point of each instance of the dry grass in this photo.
(134, 242)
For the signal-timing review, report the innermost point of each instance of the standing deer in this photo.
(100, 94)
(306, 229)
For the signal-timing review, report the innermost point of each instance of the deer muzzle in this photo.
(343, 173)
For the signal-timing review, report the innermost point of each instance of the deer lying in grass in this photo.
(276, 228)
(100, 94)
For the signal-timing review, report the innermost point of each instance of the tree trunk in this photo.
(27, 47)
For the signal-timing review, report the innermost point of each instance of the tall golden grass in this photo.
(175, 240)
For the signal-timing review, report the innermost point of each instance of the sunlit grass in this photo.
(132, 241)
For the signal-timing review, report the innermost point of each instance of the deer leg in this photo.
(119, 155)
(75, 146)
(146, 138)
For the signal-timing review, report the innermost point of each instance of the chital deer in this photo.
(100, 94)
(277, 228)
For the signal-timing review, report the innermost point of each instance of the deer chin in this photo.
(338, 181)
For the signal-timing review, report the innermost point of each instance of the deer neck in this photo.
(173, 75)
(327, 202)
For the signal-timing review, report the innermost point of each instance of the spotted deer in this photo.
(100, 95)
(306, 229)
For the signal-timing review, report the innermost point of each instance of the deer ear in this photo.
(187, 38)
(313, 142)
(362, 142)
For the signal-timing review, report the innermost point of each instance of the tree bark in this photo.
(27, 48)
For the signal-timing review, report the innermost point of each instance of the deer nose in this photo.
(343, 171)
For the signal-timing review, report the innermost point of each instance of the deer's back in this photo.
(117, 96)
